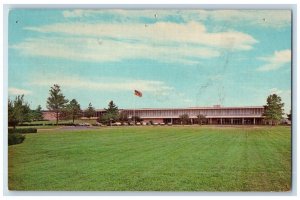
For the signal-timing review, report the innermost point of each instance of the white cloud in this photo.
(92, 49)
(276, 61)
(160, 32)
(78, 13)
(107, 84)
(264, 18)
(18, 91)
(166, 42)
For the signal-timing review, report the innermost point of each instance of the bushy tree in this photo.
(37, 114)
(18, 111)
(201, 118)
(90, 111)
(112, 111)
(73, 109)
(290, 116)
(105, 119)
(56, 102)
(184, 119)
(136, 119)
(123, 117)
(111, 114)
(274, 109)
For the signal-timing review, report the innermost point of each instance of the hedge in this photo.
(22, 130)
(15, 138)
(49, 124)
(32, 124)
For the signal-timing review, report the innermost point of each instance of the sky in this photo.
(176, 58)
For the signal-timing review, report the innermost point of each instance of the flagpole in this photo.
(139, 94)
(134, 110)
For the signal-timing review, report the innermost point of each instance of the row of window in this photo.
(232, 112)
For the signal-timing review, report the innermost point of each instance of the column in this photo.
(221, 120)
(171, 120)
(231, 120)
(242, 120)
(254, 121)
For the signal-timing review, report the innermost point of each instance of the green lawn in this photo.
(154, 159)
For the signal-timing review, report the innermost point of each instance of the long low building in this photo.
(213, 115)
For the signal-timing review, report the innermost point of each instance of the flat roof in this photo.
(189, 108)
(209, 116)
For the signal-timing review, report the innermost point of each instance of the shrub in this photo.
(50, 124)
(22, 130)
(15, 138)
(31, 124)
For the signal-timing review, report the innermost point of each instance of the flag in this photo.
(138, 93)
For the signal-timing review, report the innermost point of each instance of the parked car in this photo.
(161, 123)
(84, 124)
(97, 124)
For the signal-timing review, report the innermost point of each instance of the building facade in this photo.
(213, 115)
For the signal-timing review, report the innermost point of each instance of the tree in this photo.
(112, 111)
(184, 119)
(37, 114)
(56, 102)
(90, 111)
(136, 119)
(111, 114)
(73, 109)
(123, 116)
(18, 111)
(112, 108)
(290, 116)
(201, 118)
(104, 119)
(274, 109)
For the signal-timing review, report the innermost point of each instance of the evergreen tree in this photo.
(111, 114)
(274, 109)
(112, 108)
(112, 111)
(37, 114)
(73, 109)
(90, 111)
(56, 102)
(18, 111)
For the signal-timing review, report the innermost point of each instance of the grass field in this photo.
(153, 159)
